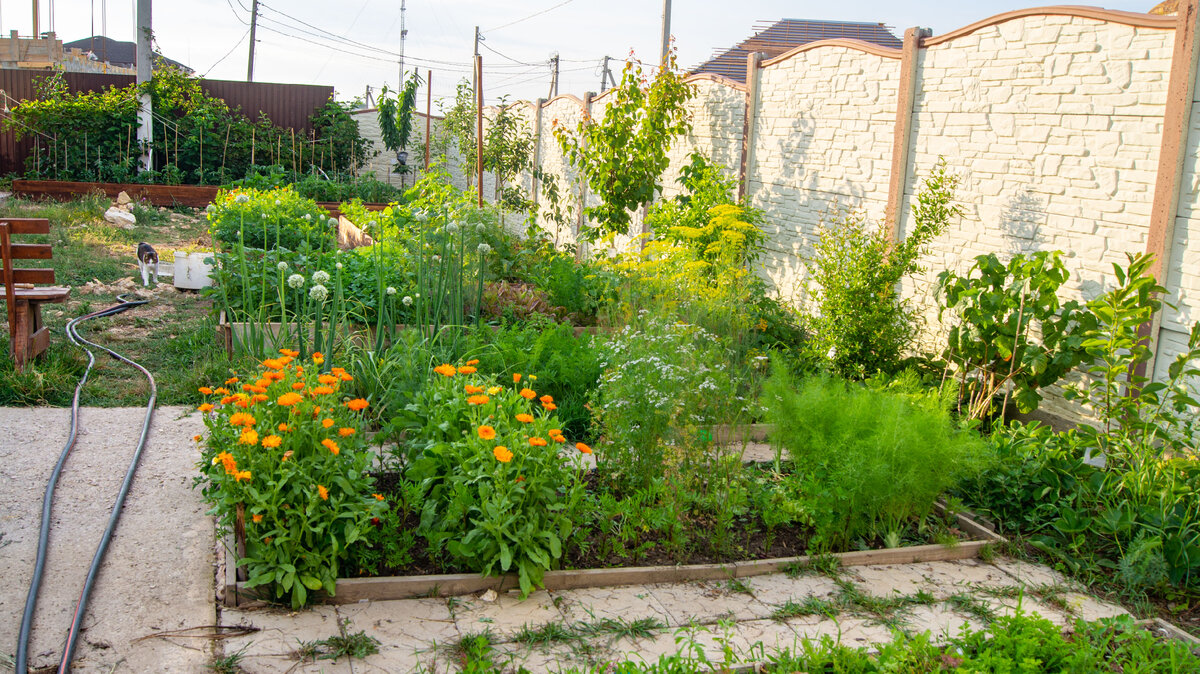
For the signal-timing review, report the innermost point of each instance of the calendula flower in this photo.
(286, 455)
(494, 390)
(227, 399)
(466, 369)
(471, 389)
(446, 370)
(516, 378)
(549, 407)
(323, 492)
(298, 386)
(221, 391)
(205, 390)
(473, 361)
(291, 353)
(272, 441)
(318, 358)
(197, 438)
(346, 432)
(283, 428)
(248, 437)
(242, 475)
(227, 461)
(241, 419)
(256, 519)
(478, 400)
(528, 394)
(525, 418)
(289, 399)
(295, 281)
(331, 446)
(261, 398)
(205, 408)
(537, 442)
(326, 423)
(583, 448)
(318, 293)
(320, 277)
(327, 379)
(322, 391)
(231, 381)
(487, 432)
(357, 404)
(345, 377)
(546, 399)
(378, 497)
(274, 363)
(502, 454)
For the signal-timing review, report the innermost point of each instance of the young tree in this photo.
(395, 115)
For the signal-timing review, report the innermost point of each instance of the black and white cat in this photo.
(148, 262)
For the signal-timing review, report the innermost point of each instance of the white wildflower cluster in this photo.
(241, 199)
(391, 291)
(407, 301)
(282, 266)
(484, 249)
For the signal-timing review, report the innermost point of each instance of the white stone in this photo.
(120, 217)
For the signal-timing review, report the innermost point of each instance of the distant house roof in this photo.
(781, 36)
(117, 53)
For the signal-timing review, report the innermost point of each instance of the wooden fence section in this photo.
(286, 105)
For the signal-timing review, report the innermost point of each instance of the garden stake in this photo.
(225, 150)
(252, 145)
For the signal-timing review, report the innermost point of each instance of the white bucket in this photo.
(193, 270)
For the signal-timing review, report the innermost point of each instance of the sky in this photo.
(353, 44)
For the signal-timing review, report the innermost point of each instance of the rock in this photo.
(489, 596)
(123, 198)
(120, 218)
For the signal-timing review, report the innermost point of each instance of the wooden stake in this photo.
(252, 129)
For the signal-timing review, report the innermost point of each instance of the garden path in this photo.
(158, 574)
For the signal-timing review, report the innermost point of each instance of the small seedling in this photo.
(356, 645)
(229, 664)
(739, 586)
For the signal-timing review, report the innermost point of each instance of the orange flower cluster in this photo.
(331, 446)
(537, 442)
(487, 432)
(502, 454)
(446, 370)
(478, 400)
(556, 435)
(525, 418)
(528, 394)
(583, 448)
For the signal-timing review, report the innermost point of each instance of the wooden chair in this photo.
(29, 337)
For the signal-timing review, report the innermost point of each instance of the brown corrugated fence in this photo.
(286, 105)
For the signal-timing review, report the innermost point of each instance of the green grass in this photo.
(356, 645)
(806, 607)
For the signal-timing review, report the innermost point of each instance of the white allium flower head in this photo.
(282, 266)
(422, 215)
(333, 222)
(831, 353)
(437, 258)
(264, 215)
(319, 293)
(278, 202)
(241, 199)
(372, 224)
(295, 281)
(320, 277)
(407, 301)
(484, 249)
(390, 291)
(210, 208)
(337, 266)
(452, 228)
(308, 217)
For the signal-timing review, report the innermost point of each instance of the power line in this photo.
(235, 46)
(506, 56)
(526, 18)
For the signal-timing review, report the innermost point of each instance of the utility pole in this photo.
(554, 76)
(666, 32)
(606, 76)
(253, 26)
(403, 34)
(35, 18)
(479, 125)
(428, 112)
(145, 71)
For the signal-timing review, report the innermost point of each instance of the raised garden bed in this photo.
(193, 196)
(233, 592)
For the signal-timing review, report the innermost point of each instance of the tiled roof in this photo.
(781, 36)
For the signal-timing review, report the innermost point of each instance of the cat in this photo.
(148, 262)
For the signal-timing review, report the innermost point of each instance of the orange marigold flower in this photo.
(339, 371)
(316, 411)
(289, 352)
(273, 376)
(298, 386)
(227, 399)
(241, 419)
(537, 442)
(478, 400)
(487, 432)
(327, 379)
(273, 363)
(502, 454)
(283, 428)
(346, 432)
(206, 408)
(286, 455)
(557, 436)
(357, 404)
(286, 360)
(197, 438)
(583, 448)
(321, 391)
(264, 381)
(516, 378)
(247, 387)
(546, 400)
(227, 461)
(272, 441)
(446, 370)
(378, 497)
(473, 361)
(466, 369)
(318, 357)
(470, 389)
(331, 446)
(261, 398)
(528, 394)
(525, 418)
(289, 399)
(346, 377)
(222, 390)
(205, 390)
(299, 369)
(248, 437)
(231, 380)
(256, 519)
(550, 407)
(326, 423)
(323, 492)
(242, 402)
(242, 475)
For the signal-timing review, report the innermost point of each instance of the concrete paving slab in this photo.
(279, 632)
(505, 616)
(1089, 608)
(941, 579)
(631, 602)
(940, 620)
(707, 602)
(777, 588)
(408, 624)
(1033, 575)
(158, 574)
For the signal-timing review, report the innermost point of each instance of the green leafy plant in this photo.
(623, 155)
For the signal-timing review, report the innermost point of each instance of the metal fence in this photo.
(286, 105)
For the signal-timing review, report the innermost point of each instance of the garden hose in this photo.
(72, 331)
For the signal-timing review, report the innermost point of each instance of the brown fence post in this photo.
(428, 112)
(1171, 155)
(902, 132)
(537, 150)
(753, 68)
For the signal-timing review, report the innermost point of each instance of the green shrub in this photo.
(869, 460)
(270, 219)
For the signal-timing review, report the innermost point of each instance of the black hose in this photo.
(22, 656)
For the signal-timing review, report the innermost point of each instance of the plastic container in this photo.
(193, 271)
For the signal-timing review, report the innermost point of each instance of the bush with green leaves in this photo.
(338, 187)
(870, 459)
(268, 219)
(861, 325)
